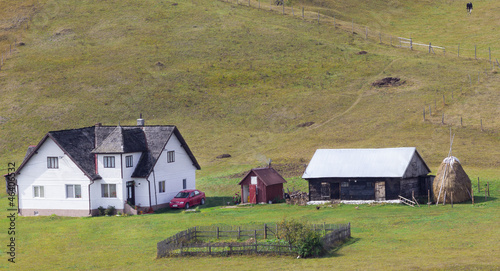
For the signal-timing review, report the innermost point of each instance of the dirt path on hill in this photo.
(360, 95)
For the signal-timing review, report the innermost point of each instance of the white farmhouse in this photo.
(73, 172)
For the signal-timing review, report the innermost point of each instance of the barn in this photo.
(262, 185)
(367, 174)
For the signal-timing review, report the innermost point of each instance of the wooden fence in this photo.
(189, 242)
(340, 21)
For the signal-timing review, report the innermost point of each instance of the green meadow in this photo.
(246, 81)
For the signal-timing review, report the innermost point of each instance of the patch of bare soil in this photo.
(306, 124)
(388, 82)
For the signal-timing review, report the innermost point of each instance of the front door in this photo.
(379, 191)
(131, 192)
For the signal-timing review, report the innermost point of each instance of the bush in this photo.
(307, 243)
(101, 210)
(310, 245)
(110, 210)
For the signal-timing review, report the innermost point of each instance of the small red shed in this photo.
(262, 185)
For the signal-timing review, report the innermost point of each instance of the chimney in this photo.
(140, 121)
(98, 124)
(269, 165)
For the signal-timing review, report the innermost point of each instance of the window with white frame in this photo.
(109, 161)
(129, 161)
(73, 191)
(184, 184)
(108, 190)
(161, 187)
(170, 156)
(52, 162)
(38, 191)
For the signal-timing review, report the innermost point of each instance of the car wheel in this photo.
(187, 205)
(202, 201)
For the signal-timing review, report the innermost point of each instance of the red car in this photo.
(188, 198)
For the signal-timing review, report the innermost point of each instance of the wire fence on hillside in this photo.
(363, 32)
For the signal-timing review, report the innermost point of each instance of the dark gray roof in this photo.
(121, 140)
(82, 144)
(78, 145)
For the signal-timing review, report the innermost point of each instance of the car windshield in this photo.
(182, 195)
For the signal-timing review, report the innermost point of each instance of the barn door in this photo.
(335, 190)
(379, 191)
(325, 191)
(253, 193)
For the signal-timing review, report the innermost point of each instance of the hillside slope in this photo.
(242, 81)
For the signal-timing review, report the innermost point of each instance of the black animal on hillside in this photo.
(279, 2)
(469, 8)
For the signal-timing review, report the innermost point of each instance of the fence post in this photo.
(302, 13)
(265, 231)
(482, 125)
(239, 233)
(334, 25)
(478, 187)
(424, 113)
(283, 7)
(217, 232)
(318, 17)
(411, 44)
(429, 47)
(255, 234)
(380, 37)
(353, 26)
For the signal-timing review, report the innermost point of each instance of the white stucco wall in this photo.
(172, 173)
(54, 181)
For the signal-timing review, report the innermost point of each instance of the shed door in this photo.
(379, 190)
(253, 193)
(325, 191)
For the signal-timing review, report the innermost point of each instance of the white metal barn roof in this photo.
(359, 163)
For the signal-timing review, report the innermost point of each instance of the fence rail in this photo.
(348, 25)
(187, 242)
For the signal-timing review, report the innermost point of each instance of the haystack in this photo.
(451, 178)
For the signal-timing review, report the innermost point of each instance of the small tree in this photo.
(306, 242)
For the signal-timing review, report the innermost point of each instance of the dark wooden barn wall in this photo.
(364, 188)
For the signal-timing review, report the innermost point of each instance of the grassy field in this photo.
(240, 80)
(385, 237)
